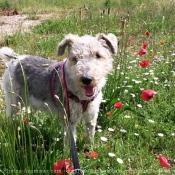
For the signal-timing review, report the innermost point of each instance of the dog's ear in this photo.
(67, 41)
(109, 41)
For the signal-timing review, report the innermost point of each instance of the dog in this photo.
(46, 84)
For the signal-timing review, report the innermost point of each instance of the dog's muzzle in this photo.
(89, 89)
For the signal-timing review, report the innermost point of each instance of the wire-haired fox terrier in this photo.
(45, 84)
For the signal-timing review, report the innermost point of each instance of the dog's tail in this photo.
(6, 54)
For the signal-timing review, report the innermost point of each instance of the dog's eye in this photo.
(97, 55)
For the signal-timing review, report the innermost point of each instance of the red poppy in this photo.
(62, 166)
(26, 121)
(145, 45)
(87, 154)
(94, 154)
(164, 162)
(147, 33)
(148, 95)
(130, 39)
(144, 63)
(142, 52)
(162, 43)
(108, 113)
(118, 105)
(109, 147)
(122, 32)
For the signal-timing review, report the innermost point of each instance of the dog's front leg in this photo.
(73, 126)
(90, 122)
(73, 129)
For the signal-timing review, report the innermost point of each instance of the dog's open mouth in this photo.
(89, 90)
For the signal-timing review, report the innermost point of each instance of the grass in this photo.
(139, 131)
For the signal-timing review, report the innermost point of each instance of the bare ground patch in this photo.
(9, 25)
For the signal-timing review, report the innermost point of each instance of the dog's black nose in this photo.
(86, 80)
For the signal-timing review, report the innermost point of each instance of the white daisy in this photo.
(133, 61)
(98, 126)
(111, 154)
(125, 91)
(31, 123)
(24, 109)
(56, 139)
(104, 139)
(119, 160)
(129, 86)
(166, 81)
(151, 70)
(133, 95)
(160, 134)
(129, 67)
(156, 78)
(118, 67)
(127, 116)
(138, 81)
(99, 130)
(156, 82)
(142, 89)
(110, 129)
(139, 105)
(123, 130)
(28, 110)
(151, 121)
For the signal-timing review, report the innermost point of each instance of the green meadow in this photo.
(129, 138)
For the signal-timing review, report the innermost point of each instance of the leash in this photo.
(73, 146)
(59, 69)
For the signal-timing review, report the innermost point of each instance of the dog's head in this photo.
(89, 59)
(108, 41)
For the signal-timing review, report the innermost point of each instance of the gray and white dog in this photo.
(40, 82)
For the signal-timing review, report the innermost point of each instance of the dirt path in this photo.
(9, 25)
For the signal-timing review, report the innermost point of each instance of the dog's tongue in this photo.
(89, 90)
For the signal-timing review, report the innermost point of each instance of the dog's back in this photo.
(27, 78)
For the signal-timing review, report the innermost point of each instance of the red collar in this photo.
(83, 102)
(59, 71)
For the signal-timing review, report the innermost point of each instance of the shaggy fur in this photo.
(27, 78)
